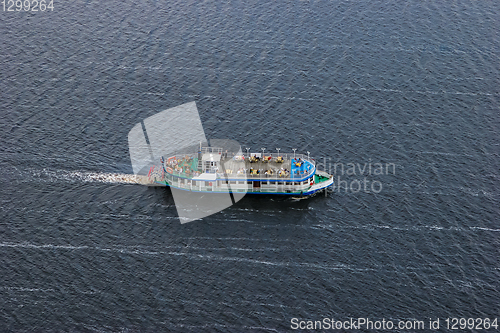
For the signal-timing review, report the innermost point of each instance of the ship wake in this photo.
(84, 176)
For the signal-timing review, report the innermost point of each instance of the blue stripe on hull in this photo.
(236, 192)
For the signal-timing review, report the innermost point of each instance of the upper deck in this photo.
(213, 163)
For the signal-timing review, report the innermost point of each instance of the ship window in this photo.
(249, 182)
(194, 182)
(233, 182)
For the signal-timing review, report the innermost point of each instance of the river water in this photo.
(407, 88)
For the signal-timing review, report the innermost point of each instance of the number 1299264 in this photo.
(27, 5)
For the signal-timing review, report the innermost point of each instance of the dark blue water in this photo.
(414, 84)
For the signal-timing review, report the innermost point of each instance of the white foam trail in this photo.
(413, 228)
(88, 177)
(210, 257)
(443, 153)
(47, 290)
(105, 177)
(425, 92)
(26, 289)
(44, 246)
(487, 229)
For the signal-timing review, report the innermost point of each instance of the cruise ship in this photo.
(206, 176)
(215, 170)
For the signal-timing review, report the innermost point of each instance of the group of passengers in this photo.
(297, 162)
(284, 172)
(255, 159)
(181, 165)
(270, 172)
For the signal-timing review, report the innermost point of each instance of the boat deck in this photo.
(238, 167)
(218, 172)
(287, 169)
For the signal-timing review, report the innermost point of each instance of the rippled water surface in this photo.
(413, 84)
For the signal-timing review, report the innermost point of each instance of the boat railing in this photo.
(250, 176)
(278, 174)
(214, 150)
(274, 156)
(284, 156)
(263, 176)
